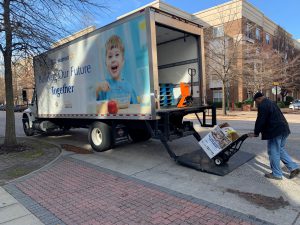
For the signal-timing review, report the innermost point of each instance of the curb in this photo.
(41, 168)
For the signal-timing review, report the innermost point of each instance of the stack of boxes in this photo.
(166, 95)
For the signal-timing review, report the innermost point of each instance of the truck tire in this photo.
(99, 136)
(139, 135)
(27, 130)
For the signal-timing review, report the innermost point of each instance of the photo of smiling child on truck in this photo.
(115, 89)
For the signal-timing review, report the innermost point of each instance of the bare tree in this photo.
(2, 90)
(264, 65)
(288, 74)
(260, 67)
(282, 42)
(285, 70)
(29, 27)
(222, 58)
(23, 78)
(223, 49)
(233, 55)
(293, 80)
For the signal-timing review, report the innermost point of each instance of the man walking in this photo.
(274, 128)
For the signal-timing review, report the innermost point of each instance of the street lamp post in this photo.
(276, 89)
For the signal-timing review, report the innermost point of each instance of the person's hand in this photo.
(251, 135)
(103, 86)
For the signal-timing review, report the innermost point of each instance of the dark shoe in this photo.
(271, 176)
(294, 173)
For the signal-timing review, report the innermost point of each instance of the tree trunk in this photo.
(223, 99)
(10, 132)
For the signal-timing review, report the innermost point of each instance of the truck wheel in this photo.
(99, 136)
(139, 135)
(27, 130)
(218, 161)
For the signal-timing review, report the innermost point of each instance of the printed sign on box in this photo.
(218, 139)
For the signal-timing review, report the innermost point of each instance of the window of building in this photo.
(218, 31)
(257, 34)
(248, 30)
(217, 95)
(267, 39)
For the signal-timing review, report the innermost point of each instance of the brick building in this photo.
(240, 19)
(237, 19)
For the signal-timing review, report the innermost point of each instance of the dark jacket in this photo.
(270, 121)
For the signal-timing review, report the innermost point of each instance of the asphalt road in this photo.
(18, 121)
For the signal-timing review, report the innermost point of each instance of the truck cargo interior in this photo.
(177, 52)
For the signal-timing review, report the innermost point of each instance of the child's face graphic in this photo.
(114, 62)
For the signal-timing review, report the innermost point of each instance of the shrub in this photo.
(281, 104)
(288, 100)
(248, 101)
(238, 104)
(218, 104)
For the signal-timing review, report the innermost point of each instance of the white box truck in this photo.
(122, 81)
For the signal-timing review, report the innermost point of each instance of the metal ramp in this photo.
(173, 127)
(198, 160)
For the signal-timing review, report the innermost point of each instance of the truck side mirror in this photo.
(24, 95)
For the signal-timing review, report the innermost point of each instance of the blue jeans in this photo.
(277, 152)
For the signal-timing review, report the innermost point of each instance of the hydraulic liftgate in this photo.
(171, 126)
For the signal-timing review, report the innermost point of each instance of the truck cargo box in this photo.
(130, 69)
(128, 81)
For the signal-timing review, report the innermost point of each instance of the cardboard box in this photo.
(218, 139)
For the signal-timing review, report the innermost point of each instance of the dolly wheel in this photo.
(218, 161)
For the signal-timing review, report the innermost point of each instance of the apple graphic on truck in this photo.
(112, 107)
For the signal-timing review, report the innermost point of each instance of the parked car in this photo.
(295, 104)
(20, 108)
(2, 107)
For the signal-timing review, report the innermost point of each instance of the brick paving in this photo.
(74, 192)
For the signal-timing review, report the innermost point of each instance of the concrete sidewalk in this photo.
(14, 213)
